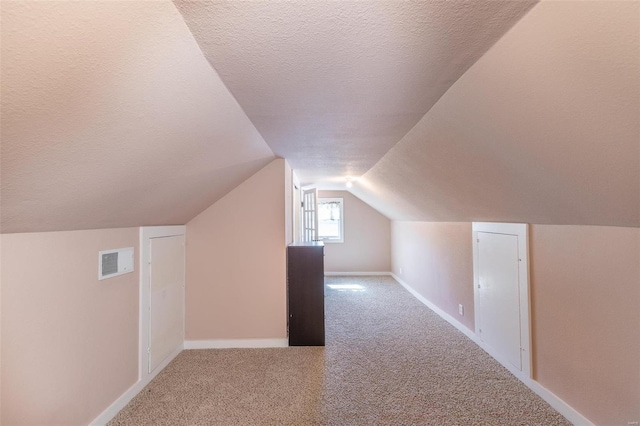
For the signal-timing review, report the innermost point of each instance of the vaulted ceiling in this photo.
(544, 128)
(332, 86)
(144, 113)
(111, 117)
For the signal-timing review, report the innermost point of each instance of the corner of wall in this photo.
(435, 259)
(367, 238)
(236, 264)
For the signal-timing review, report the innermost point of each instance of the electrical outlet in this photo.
(401, 270)
(461, 309)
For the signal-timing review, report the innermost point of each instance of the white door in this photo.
(309, 214)
(499, 295)
(166, 291)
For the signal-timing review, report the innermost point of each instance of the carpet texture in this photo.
(388, 360)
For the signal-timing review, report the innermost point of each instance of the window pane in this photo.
(330, 219)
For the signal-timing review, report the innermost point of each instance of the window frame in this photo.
(329, 240)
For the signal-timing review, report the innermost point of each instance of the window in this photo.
(330, 220)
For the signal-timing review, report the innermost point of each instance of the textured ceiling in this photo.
(111, 117)
(332, 86)
(544, 128)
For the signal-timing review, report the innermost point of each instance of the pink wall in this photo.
(586, 318)
(69, 341)
(236, 263)
(436, 259)
(585, 296)
(367, 238)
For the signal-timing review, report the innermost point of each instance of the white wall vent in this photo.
(112, 263)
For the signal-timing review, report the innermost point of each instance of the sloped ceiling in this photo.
(111, 117)
(544, 128)
(333, 85)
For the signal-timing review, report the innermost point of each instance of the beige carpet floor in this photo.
(389, 360)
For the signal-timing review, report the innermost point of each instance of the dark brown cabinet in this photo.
(305, 287)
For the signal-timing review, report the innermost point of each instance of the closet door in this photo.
(166, 304)
(499, 295)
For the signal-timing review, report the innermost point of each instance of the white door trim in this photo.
(146, 234)
(520, 230)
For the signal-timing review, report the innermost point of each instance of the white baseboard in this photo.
(357, 274)
(553, 400)
(124, 399)
(559, 405)
(451, 320)
(109, 413)
(236, 343)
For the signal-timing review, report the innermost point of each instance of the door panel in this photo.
(166, 310)
(499, 295)
(309, 213)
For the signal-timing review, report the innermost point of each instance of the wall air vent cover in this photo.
(109, 263)
(112, 263)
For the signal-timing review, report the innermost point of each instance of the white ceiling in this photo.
(446, 110)
(111, 117)
(333, 85)
(544, 128)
